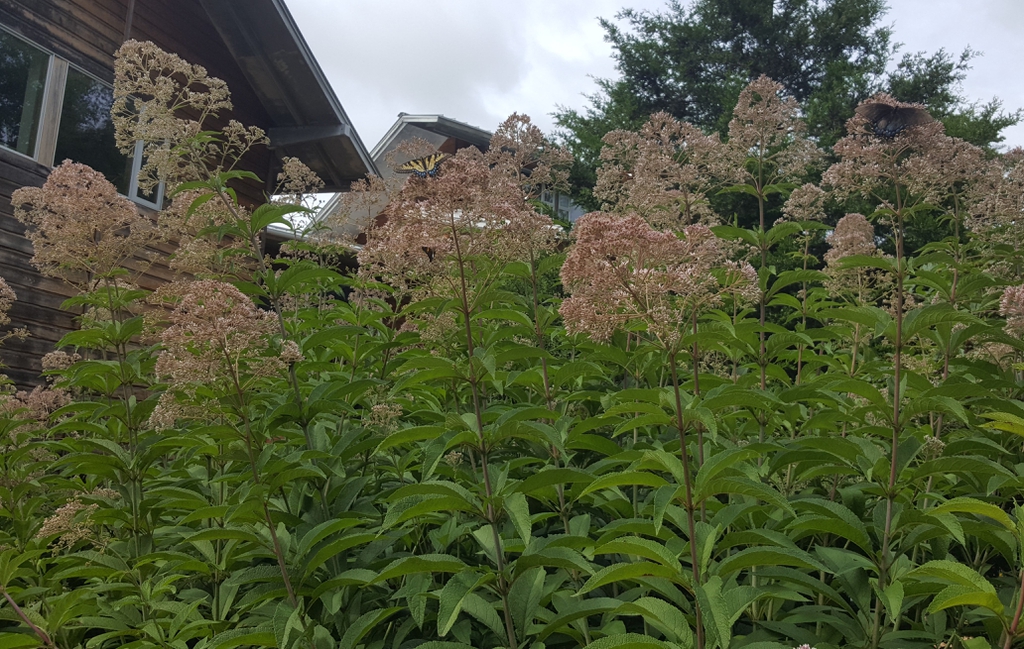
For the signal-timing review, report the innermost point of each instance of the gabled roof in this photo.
(308, 120)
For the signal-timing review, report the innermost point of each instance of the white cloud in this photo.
(479, 61)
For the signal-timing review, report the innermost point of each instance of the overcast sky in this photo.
(480, 60)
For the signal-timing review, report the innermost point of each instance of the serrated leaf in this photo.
(421, 563)
(768, 556)
(519, 512)
(624, 478)
(974, 506)
(663, 616)
(629, 571)
(630, 640)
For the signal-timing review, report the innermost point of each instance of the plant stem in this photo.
(1011, 633)
(692, 528)
(24, 618)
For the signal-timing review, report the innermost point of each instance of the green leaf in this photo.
(225, 534)
(413, 506)
(629, 571)
(15, 639)
(967, 505)
(768, 556)
(336, 547)
(623, 478)
(484, 611)
(641, 547)
(578, 609)
(519, 512)
(510, 315)
(833, 518)
(421, 563)
(892, 596)
(261, 636)
(524, 597)
(956, 595)
(410, 435)
(452, 596)
(790, 277)
(663, 616)
(630, 640)
(717, 618)
(551, 477)
(742, 486)
(720, 462)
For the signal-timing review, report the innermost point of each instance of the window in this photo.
(52, 112)
(23, 73)
(86, 132)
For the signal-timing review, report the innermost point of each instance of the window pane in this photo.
(86, 132)
(22, 82)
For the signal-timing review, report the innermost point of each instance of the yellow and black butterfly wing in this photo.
(423, 167)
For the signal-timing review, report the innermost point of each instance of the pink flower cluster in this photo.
(621, 270)
(79, 225)
(1011, 307)
(663, 172)
(767, 127)
(217, 340)
(463, 223)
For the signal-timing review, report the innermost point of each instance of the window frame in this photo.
(45, 149)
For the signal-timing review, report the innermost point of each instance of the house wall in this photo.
(87, 33)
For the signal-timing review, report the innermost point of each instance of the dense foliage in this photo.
(643, 435)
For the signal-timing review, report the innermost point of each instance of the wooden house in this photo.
(56, 69)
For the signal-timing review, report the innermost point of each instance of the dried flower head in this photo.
(766, 128)
(663, 172)
(1011, 307)
(933, 448)
(217, 340)
(466, 222)
(42, 401)
(805, 203)
(69, 523)
(154, 91)
(996, 202)
(79, 226)
(383, 417)
(519, 150)
(59, 360)
(853, 235)
(297, 183)
(621, 270)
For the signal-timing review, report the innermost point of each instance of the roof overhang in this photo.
(309, 122)
(438, 124)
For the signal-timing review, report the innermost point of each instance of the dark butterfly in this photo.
(888, 121)
(423, 167)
